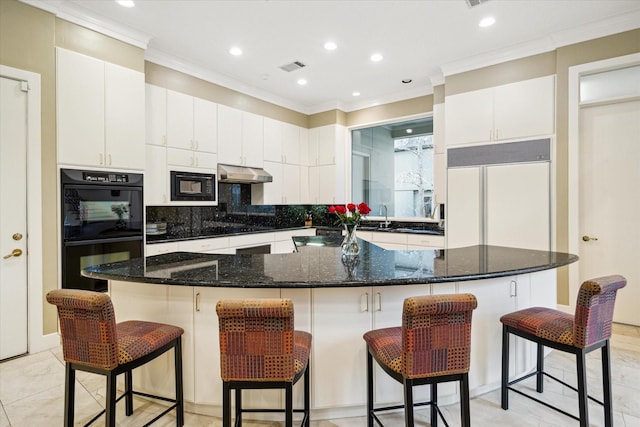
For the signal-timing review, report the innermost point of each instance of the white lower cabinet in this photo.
(172, 305)
(342, 351)
(160, 248)
(208, 383)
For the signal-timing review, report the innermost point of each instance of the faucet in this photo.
(386, 217)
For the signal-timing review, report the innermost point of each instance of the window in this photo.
(392, 166)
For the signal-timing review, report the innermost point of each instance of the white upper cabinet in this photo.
(192, 123)
(282, 142)
(156, 176)
(124, 115)
(156, 115)
(290, 144)
(100, 113)
(240, 137)
(252, 139)
(272, 140)
(229, 135)
(179, 120)
(515, 110)
(205, 125)
(323, 143)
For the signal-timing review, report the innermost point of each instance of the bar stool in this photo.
(93, 342)
(589, 329)
(259, 349)
(432, 346)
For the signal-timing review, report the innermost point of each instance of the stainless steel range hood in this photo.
(243, 174)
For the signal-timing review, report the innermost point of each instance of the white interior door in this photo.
(13, 218)
(609, 164)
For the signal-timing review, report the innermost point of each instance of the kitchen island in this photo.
(337, 301)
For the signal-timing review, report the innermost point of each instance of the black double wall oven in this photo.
(102, 220)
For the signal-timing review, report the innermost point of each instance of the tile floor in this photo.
(32, 395)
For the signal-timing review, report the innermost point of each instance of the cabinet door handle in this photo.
(497, 134)
(198, 301)
(163, 140)
(514, 289)
(101, 160)
(490, 134)
(366, 300)
(109, 157)
(379, 301)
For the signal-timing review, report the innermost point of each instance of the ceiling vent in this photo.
(472, 3)
(292, 66)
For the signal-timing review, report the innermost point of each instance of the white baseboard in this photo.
(44, 342)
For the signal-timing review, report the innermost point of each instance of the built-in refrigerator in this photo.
(500, 194)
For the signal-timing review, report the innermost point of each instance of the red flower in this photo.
(363, 208)
(351, 207)
(341, 209)
(332, 209)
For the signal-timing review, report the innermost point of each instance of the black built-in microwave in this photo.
(192, 186)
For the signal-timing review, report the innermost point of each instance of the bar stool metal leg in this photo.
(69, 395)
(504, 393)
(606, 385)
(583, 400)
(434, 405)
(408, 402)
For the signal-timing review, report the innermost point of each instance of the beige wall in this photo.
(28, 37)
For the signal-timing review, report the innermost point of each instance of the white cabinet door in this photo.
(164, 304)
(524, 108)
(328, 191)
(291, 183)
(160, 248)
(494, 300)
(469, 117)
(229, 135)
(464, 216)
(338, 349)
(272, 140)
(517, 206)
(290, 144)
(386, 304)
(270, 193)
(208, 384)
(205, 125)
(252, 140)
(327, 141)
(179, 120)
(124, 117)
(156, 176)
(156, 114)
(80, 109)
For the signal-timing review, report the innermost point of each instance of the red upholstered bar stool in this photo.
(259, 349)
(433, 345)
(92, 341)
(589, 329)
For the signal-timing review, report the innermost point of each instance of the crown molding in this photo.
(77, 15)
(594, 30)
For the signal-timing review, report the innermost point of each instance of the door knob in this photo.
(15, 252)
(587, 238)
(17, 236)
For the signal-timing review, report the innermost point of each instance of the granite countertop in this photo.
(318, 263)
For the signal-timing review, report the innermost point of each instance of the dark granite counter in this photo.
(318, 263)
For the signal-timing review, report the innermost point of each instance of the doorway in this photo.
(604, 147)
(13, 218)
(21, 215)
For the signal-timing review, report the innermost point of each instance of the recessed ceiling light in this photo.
(356, 93)
(409, 130)
(235, 51)
(376, 57)
(487, 22)
(302, 82)
(330, 46)
(125, 3)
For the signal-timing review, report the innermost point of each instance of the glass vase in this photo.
(350, 245)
